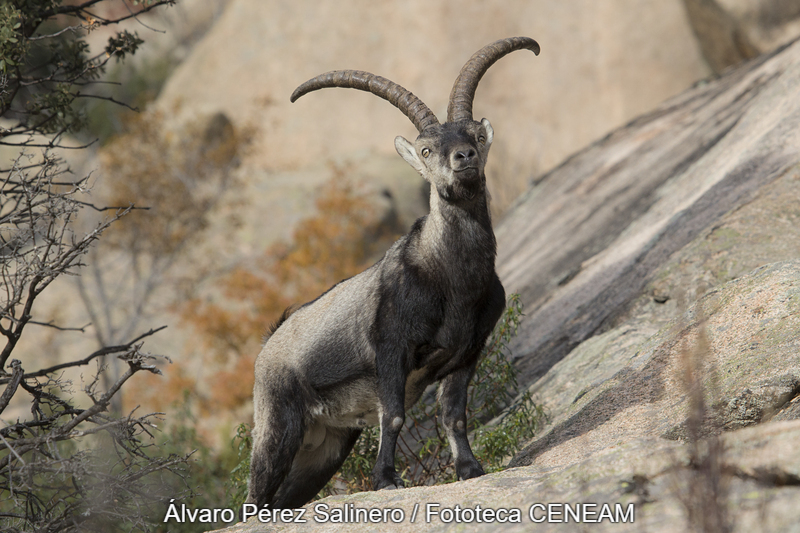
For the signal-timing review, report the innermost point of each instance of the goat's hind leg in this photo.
(280, 424)
(313, 468)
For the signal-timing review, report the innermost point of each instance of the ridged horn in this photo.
(460, 105)
(401, 98)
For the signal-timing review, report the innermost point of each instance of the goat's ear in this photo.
(409, 153)
(489, 132)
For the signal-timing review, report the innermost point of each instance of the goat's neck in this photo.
(459, 238)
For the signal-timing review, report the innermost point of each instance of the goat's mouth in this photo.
(467, 174)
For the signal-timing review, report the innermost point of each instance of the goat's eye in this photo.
(426, 152)
(482, 139)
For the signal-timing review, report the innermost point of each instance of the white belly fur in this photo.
(355, 406)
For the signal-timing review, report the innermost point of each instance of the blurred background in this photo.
(256, 203)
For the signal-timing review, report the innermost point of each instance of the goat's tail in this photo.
(278, 323)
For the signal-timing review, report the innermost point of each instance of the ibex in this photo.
(364, 351)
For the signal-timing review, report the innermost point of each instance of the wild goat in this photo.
(364, 351)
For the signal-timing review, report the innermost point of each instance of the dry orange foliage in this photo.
(340, 240)
(176, 176)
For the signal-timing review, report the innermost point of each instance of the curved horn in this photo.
(401, 98)
(460, 106)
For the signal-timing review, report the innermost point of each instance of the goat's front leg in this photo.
(453, 398)
(391, 395)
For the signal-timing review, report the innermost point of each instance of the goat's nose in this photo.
(464, 156)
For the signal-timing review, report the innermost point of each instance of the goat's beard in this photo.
(466, 187)
(468, 184)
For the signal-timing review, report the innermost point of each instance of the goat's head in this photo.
(451, 156)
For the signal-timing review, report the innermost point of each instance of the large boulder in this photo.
(601, 65)
(731, 31)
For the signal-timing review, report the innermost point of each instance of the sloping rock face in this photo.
(714, 217)
(742, 338)
(585, 241)
(660, 268)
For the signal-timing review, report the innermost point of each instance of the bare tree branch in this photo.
(86, 360)
(59, 472)
(13, 383)
(107, 98)
(50, 324)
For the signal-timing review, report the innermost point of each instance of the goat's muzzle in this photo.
(463, 158)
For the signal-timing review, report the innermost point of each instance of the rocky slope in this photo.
(660, 268)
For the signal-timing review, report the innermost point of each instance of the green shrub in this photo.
(236, 487)
(200, 487)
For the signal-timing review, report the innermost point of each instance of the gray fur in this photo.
(364, 351)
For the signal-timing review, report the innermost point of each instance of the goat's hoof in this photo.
(470, 471)
(395, 482)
